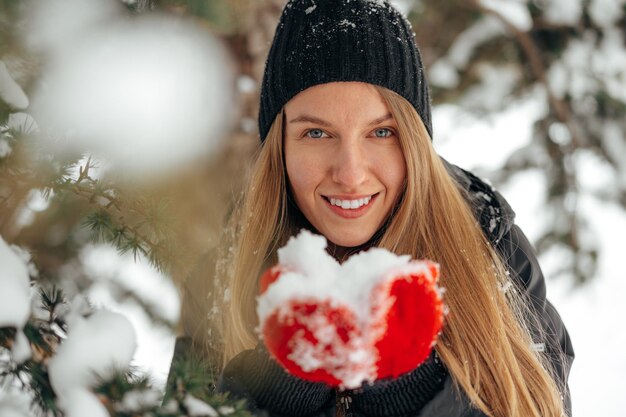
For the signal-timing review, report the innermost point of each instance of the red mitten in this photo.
(376, 316)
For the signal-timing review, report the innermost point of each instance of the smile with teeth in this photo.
(350, 204)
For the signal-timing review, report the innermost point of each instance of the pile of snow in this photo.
(14, 299)
(95, 348)
(10, 92)
(11, 407)
(109, 272)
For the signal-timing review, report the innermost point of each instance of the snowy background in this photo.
(592, 312)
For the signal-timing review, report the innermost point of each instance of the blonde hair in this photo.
(485, 343)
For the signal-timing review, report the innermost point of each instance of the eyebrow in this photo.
(305, 118)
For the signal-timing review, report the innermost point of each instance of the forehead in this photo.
(338, 100)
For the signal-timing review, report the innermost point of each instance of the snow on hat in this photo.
(322, 41)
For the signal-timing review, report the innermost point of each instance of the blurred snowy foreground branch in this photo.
(68, 359)
(113, 97)
(148, 93)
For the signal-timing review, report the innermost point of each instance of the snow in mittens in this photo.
(14, 298)
(310, 273)
(95, 347)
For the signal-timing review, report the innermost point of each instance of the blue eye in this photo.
(315, 133)
(383, 132)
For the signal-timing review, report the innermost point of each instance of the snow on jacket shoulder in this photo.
(272, 392)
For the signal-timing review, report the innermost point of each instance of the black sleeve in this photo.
(549, 332)
(269, 390)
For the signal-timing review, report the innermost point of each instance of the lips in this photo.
(350, 207)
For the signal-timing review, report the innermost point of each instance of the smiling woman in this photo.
(344, 162)
(346, 151)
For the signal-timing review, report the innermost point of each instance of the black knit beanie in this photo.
(321, 41)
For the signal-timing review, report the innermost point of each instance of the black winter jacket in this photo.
(428, 391)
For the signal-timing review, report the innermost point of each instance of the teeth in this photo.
(350, 204)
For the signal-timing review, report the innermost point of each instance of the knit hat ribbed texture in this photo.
(322, 41)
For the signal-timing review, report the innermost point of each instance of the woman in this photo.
(346, 152)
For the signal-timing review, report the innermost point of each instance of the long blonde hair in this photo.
(485, 343)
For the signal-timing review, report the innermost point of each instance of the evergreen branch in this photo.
(108, 222)
(39, 384)
(128, 239)
(128, 395)
(190, 373)
(7, 335)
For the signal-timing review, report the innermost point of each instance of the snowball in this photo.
(515, 12)
(95, 347)
(10, 92)
(15, 294)
(148, 93)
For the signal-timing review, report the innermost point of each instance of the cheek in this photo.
(394, 171)
(301, 174)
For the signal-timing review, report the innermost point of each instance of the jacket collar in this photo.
(492, 211)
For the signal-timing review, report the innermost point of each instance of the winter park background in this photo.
(97, 198)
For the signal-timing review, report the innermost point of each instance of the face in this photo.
(345, 166)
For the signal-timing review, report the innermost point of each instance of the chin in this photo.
(349, 241)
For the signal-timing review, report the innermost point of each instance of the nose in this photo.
(350, 165)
